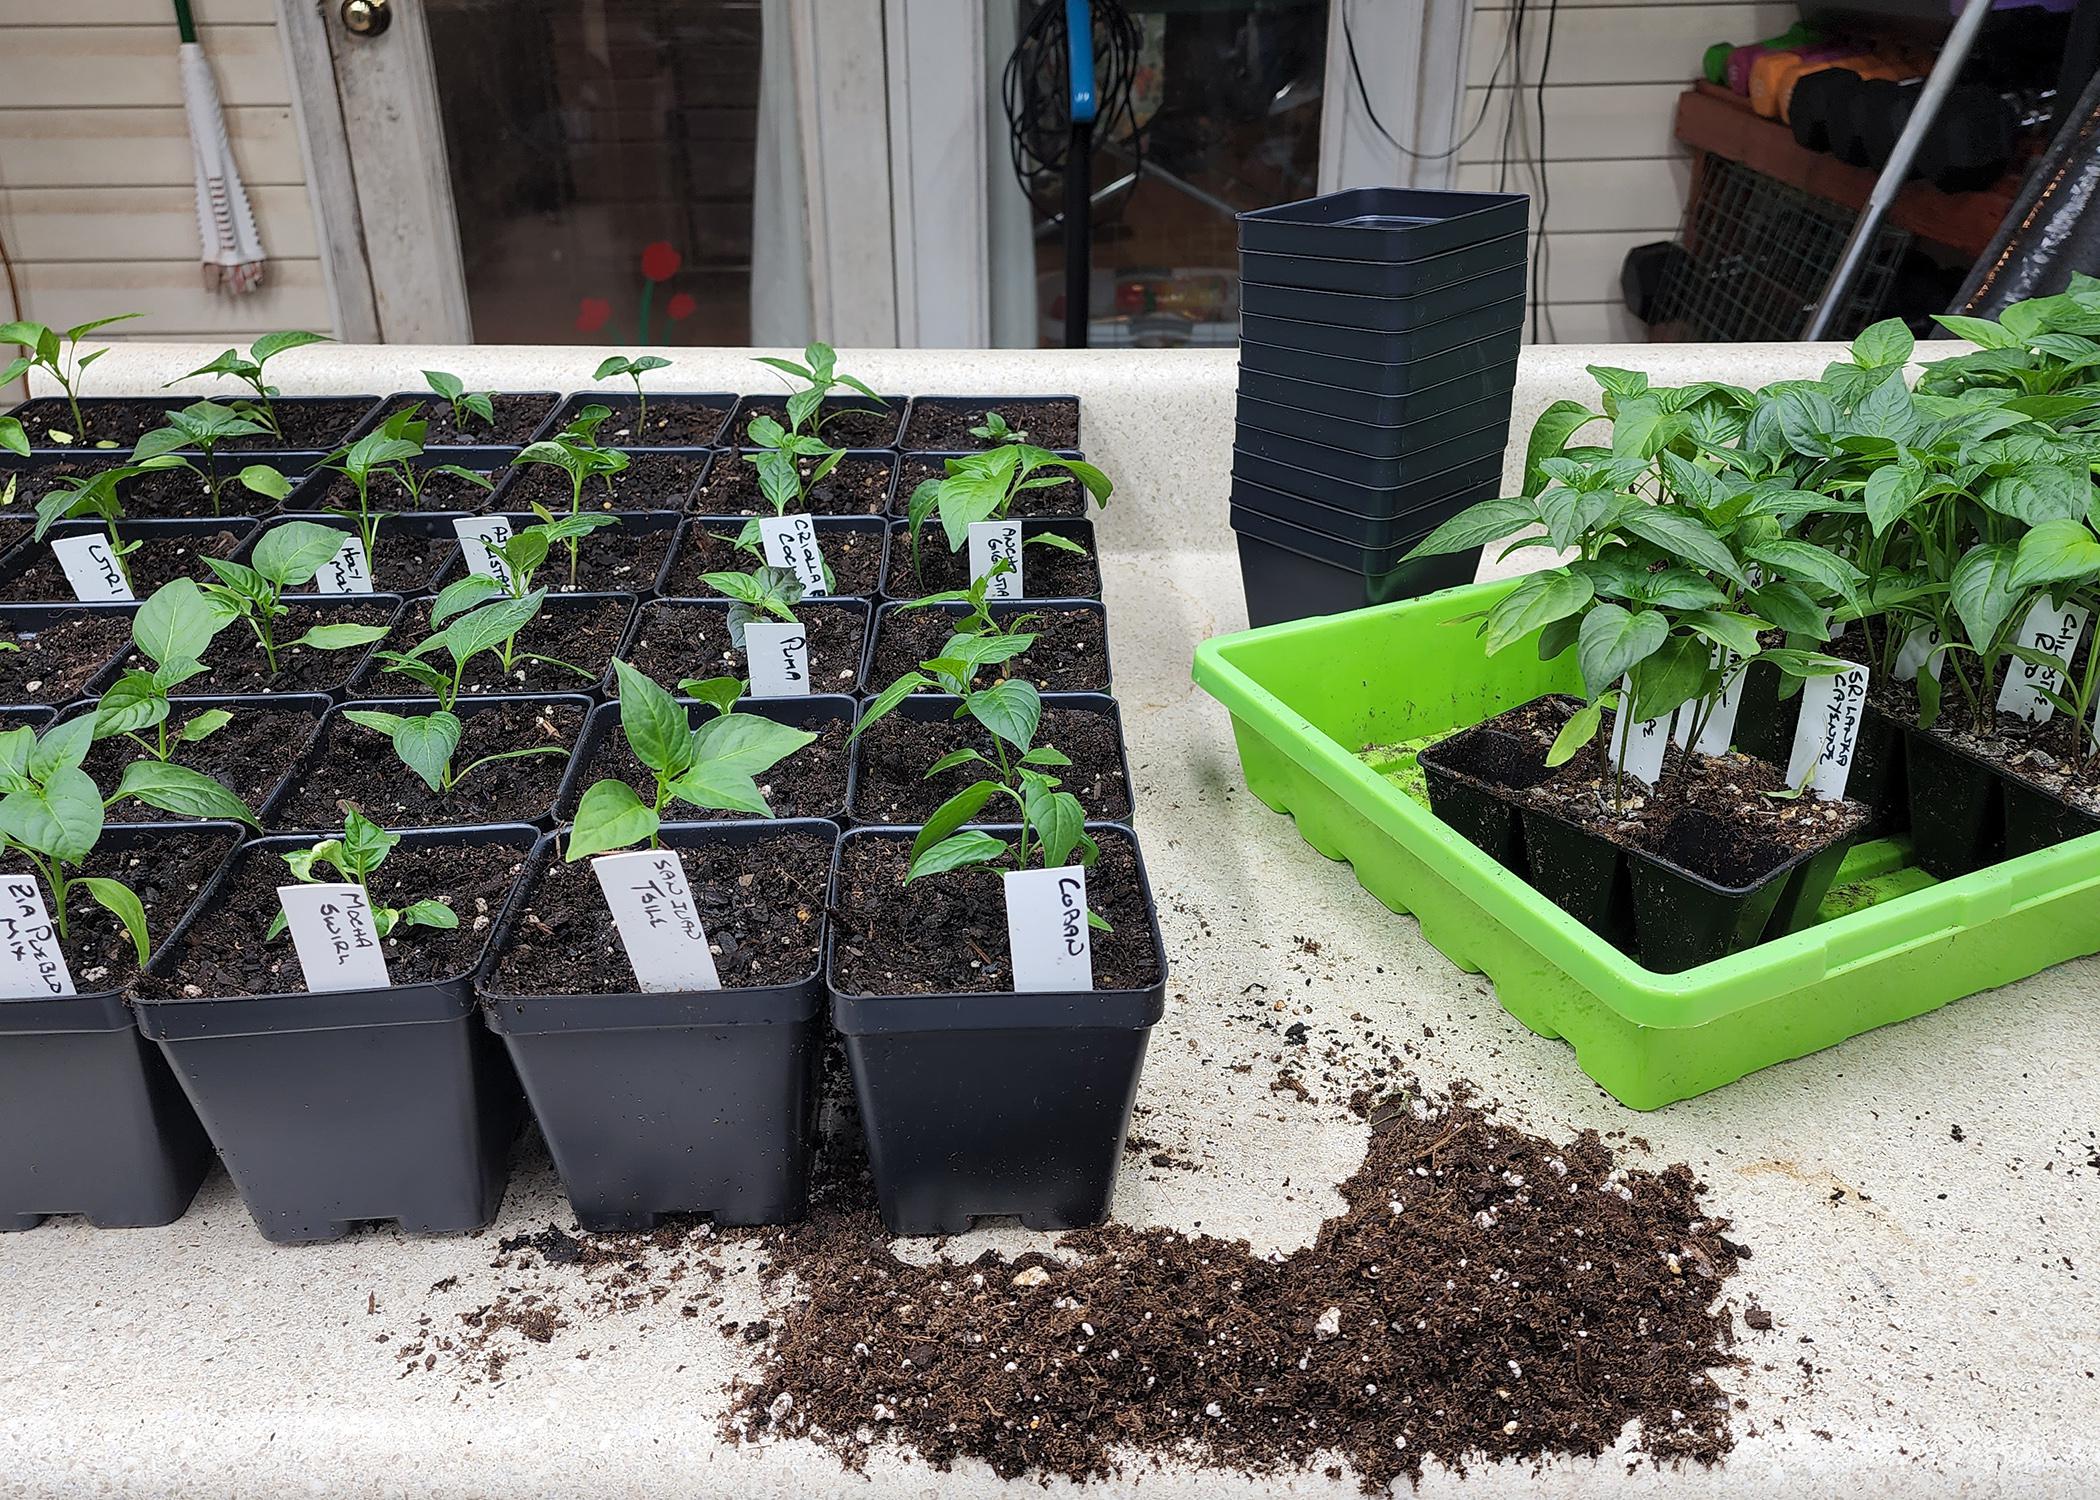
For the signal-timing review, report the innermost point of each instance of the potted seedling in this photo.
(620, 366)
(810, 405)
(576, 454)
(1060, 646)
(249, 371)
(204, 427)
(467, 407)
(58, 356)
(508, 561)
(285, 559)
(789, 646)
(953, 423)
(389, 455)
(660, 421)
(975, 503)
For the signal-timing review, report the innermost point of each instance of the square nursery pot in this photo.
(1379, 500)
(1490, 358)
(681, 1102)
(834, 666)
(372, 680)
(313, 424)
(324, 672)
(341, 1108)
(1381, 346)
(287, 722)
(917, 466)
(1288, 573)
(280, 815)
(1880, 777)
(1385, 224)
(415, 550)
(1957, 805)
(1393, 315)
(868, 535)
(677, 419)
(996, 1103)
(1368, 409)
(730, 486)
(1037, 665)
(627, 557)
(842, 421)
(943, 423)
(325, 491)
(1069, 576)
(602, 733)
(1417, 439)
(939, 708)
(1384, 278)
(62, 651)
(521, 416)
(168, 549)
(654, 479)
(93, 1120)
(1401, 517)
(1445, 451)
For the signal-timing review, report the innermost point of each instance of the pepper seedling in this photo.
(390, 453)
(95, 495)
(287, 557)
(522, 555)
(713, 767)
(464, 403)
(762, 593)
(980, 639)
(172, 630)
(634, 370)
(57, 355)
(490, 627)
(779, 458)
(820, 376)
(355, 857)
(201, 426)
(575, 452)
(250, 372)
(984, 486)
(994, 430)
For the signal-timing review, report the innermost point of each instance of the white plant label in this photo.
(476, 535)
(1718, 732)
(336, 937)
(778, 656)
(652, 905)
(31, 965)
(991, 543)
(348, 572)
(90, 561)
(2055, 631)
(1827, 732)
(791, 542)
(1650, 738)
(1046, 929)
(1922, 647)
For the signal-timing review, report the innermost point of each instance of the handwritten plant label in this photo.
(1921, 647)
(477, 534)
(1827, 732)
(31, 965)
(1718, 732)
(2049, 629)
(1650, 738)
(778, 655)
(348, 572)
(652, 905)
(336, 938)
(991, 543)
(1046, 929)
(791, 542)
(90, 561)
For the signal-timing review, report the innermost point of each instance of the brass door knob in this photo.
(366, 18)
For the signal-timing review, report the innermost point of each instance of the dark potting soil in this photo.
(651, 481)
(946, 429)
(238, 664)
(248, 756)
(316, 426)
(854, 557)
(893, 786)
(946, 934)
(52, 663)
(1068, 497)
(762, 904)
(408, 563)
(226, 953)
(390, 496)
(165, 877)
(681, 640)
(1070, 654)
(359, 764)
(811, 783)
(518, 417)
(2047, 756)
(31, 574)
(670, 421)
(619, 559)
(1046, 572)
(170, 493)
(859, 486)
(583, 632)
(116, 421)
(1486, 1295)
(840, 425)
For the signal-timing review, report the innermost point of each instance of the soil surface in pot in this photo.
(670, 421)
(238, 665)
(1046, 572)
(1068, 497)
(226, 953)
(859, 486)
(893, 786)
(838, 423)
(408, 563)
(1070, 654)
(165, 877)
(313, 426)
(359, 764)
(677, 641)
(811, 783)
(651, 481)
(248, 757)
(439, 492)
(709, 546)
(2046, 756)
(108, 419)
(945, 934)
(310, 426)
(518, 417)
(621, 559)
(1048, 424)
(583, 632)
(156, 494)
(31, 574)
(762, 904)
(51, 663)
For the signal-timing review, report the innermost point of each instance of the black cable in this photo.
(1036, 90)
(1518, 14)
(1541, 259)
(1364, 96)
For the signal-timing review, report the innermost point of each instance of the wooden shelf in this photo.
(1711, 119)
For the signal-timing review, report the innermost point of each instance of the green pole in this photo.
(184, 21)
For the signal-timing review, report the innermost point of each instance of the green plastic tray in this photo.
(1305, 696)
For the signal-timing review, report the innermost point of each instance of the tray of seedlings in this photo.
(1800, 742)
(452, 741)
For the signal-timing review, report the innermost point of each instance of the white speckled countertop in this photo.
(1934, 1309)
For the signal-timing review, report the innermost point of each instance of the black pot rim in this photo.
(604, 720)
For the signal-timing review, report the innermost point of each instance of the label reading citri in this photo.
(1046, 929)
(90, 561)
(1827, 732)
(31, 965)
(652, 905)
(335, 935)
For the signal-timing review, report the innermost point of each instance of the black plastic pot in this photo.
(370, 676)
(510, 484)
(1284, 583)
(348, 662)
(21, 621)
(623, 400)
(1957, 806)
(1422, 435)
(431, 401)
(1384, 224)
(1443, 454)
(149, 533)
(309, 496)
(92, 1118)
(553, 574)
(1401, 315)
(928, 708)
(1384, 278)
(899, 560)
(182, 706)
(1359, 408)
(804, 713)
(839, 604)
(1582, 873)
(983, 403)
(1468, 776)
(1344, 341)
(56, 405)
(686, 1102)
(1683, 919)
(428, 523)
(335, 1109)
(1370, 501)
(1380, 375)
(1000, 610)
(938, 458)
(997, 1103)
(877, 527)
(2035, 819)
(1416, 509)
(749, 406)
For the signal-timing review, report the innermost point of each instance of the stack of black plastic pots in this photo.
(1378, 349)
